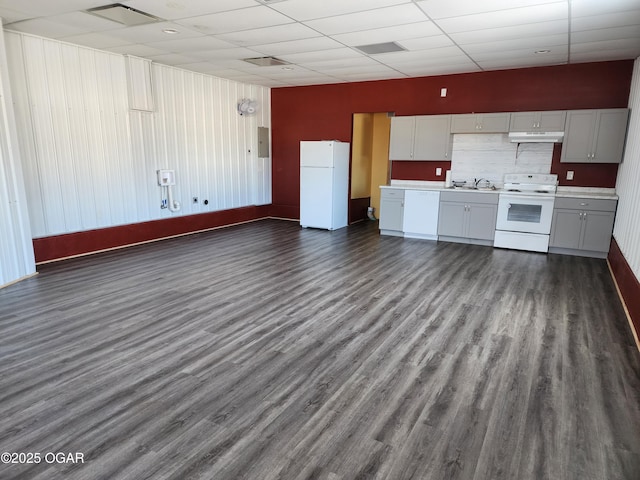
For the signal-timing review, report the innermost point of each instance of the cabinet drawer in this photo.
(392, 193)
(597, 204)
(469, 197)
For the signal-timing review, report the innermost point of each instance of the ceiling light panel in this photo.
(236, 20)
(303, 10)
(383, 17)
(506, 18)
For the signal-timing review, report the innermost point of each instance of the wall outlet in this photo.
(195, 199)
(569, 174)
(438, 172)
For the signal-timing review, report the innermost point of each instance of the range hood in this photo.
(536, 137)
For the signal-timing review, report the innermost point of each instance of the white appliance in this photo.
(324, 184)
(525, 211)
(420, 218)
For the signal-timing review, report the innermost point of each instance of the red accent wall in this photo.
(324, 112)
(70, 244)
(414, 170)
(627, 283)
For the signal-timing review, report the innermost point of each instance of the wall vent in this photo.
(376, 48)
(266, 61)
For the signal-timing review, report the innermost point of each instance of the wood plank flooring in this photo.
(266, 351)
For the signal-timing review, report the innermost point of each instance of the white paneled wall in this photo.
(16, 250)
(91, 162)
(627, 227)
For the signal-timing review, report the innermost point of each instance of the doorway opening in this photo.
(369, 163)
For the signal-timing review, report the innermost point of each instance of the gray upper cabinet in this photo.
(480, 123)
(595, 136)
(422, 137)
(551, 121)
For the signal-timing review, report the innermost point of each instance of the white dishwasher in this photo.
(421, 214)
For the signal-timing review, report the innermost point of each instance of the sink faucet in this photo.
(476, 181)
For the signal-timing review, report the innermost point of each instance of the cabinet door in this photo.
(391, 214)
(523, 121)
(466, 123)
(482, 221)
(565, 229)
(610, 133)
(596, 231)
(553, 121)
(401, 138)
(493, 122)
(432, 137)
(578, 139)
(451, 219)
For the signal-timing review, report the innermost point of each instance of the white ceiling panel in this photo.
(382, 17)
(630, 44)
(297, 46)
(457, 8)
(427, 70)
(530, 44)
(303, 10)
(389, 34)
(607, 20)
(521, 62)
(425, 43)
(236, 20)
(329, 65)
(177, 9)
(201, 67)
(321, 55)
(171, 59)
(506, 18)
(137, 50)
(510, 33)
(47, 8)
(583, 8)
(604, 34)
(604, 55)
(153, 32)
(420, 55)
(191, 44)
(46, 28)
(95, 40)
(225, 54)
(556, 54)
(278, 33)
(9, 16)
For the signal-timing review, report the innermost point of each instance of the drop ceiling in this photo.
(322, 41)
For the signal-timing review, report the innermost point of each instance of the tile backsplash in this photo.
(490, 156)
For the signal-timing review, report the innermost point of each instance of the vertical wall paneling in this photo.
(16, 250)
(627, 227)
(90, 160)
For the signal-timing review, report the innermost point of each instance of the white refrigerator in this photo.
(324, 184)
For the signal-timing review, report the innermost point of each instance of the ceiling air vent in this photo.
(122, 14)
(266, 61)
(376, 48)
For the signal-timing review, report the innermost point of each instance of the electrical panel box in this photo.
(166, 178)
(263, 142)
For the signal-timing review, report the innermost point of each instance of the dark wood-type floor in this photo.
(265, 351)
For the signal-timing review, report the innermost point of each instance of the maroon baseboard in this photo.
(285, 211)
(71, 244)
(358, 209)
(627, 283)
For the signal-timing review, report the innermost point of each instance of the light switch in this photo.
(438, 172)
(569, 174)
(443, 92)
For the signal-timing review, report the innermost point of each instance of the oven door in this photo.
(525, 213)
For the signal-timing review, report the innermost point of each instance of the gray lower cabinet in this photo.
(582, 226)
(391, 211)
(467, 217)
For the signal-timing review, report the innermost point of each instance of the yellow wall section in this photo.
(361, 155)
(379, 157)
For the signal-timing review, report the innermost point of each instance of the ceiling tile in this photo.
(191, 44)
(176, 9)
(46, 28)
(370, 19)
(95, 40)
(202, 67)
(506, 18)
(236, 20)
(583, 8)
(330, 65)
(604, 55)
(520, 62)
(303, 10)
(556, 54)
(511, 33)
(45, 8)
(297, 46)
(322, 55)
(427, 70)
(607, 34)
(153, 32)
(606, 20)
(137, 50)
(530, 44)
(420, 55)
(9, 16)
(225, 54)
(171, 59)
(426, 43)
(457, 8)
(389, 34)
(278, 33)
(629, 45)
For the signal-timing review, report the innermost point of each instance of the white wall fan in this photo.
(247, 106)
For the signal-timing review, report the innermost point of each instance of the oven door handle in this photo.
(528, 198)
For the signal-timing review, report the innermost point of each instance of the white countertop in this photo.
(576, 192)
